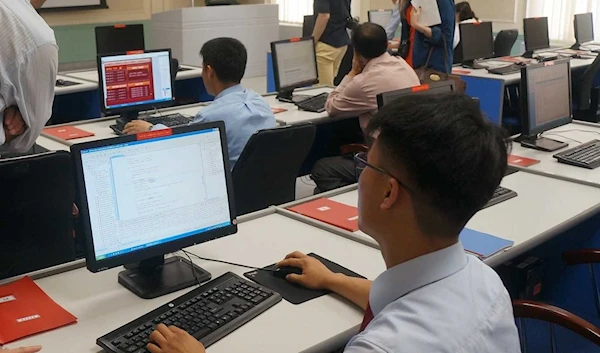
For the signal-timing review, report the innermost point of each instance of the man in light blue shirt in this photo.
(394, 22)
(243, 111)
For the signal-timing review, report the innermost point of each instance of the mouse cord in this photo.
(226, 262)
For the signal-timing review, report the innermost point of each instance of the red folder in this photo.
(26, 310)
(331, 212)
(67, 132)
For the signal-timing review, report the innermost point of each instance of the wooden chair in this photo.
(588, 257)
(524, 309)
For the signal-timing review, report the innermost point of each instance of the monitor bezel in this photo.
(526, 22)
(382, 101)
(390, 11)
(101, 32)
(528, 126)
(95, 265)
(276, 77)
(576, 22)
(138, 107)
(464, 26)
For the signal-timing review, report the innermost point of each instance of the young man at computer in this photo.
(414, 199)
(374, 71)
(29, 64)
(243, 111)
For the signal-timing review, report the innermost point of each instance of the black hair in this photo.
(369, 40)
(464, 11)
(451, 157)
(227, 56)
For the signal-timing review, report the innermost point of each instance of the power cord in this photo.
(193, 267)
(227, 262)
(557, 134)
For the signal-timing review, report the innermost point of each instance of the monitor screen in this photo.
(139, 196)
(432, 88)
(130, 81)
(584, 28)
(536, 33)
(477, 40)
(119, 39)
(548, 95)
(380, 17)
(295, 63)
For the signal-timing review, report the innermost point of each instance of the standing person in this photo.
(394, 22)
(438, 39)
(406, 42)
(331, 36)
(28, 68)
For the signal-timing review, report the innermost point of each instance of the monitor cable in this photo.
(227, 262)
(193, 268)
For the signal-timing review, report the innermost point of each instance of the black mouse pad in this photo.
(291, 292)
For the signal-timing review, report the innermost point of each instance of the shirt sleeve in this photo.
(363, 346)
(349, 99)
(322, 6)
(392, 26)
(32, 84)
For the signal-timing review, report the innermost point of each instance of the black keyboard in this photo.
(500, 195)
(315, 104)
(505, 70)
(167, 120)
(208, 313)
(586, 155)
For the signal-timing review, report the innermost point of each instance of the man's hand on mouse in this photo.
(173, 340)
(13, 123)
(314, 274)
(136, 127)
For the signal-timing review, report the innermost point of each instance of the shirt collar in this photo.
(406, 277)
(381, 58)
(233, 89)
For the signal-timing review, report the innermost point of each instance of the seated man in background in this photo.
(374, 71)
(243, 111)
(435, 161)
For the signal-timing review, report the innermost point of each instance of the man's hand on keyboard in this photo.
(173, 340)
(136, 127)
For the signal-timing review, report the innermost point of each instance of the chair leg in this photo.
(522, 335)
(595, 287)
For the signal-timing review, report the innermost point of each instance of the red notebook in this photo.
(331, 212)
(26, 310)
(67, 132)
(521, 161)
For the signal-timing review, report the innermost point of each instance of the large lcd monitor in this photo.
(294, 66)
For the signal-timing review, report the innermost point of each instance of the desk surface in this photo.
(579, 131)
(83, 85)
(293, 115)
(92, 75)
(557, 205)
(102, 305)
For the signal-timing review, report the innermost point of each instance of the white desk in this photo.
(544, 208)
(50, 144)
(293, 115)
(83, 85)
(549, 166)
(102, 305)
(92, 75)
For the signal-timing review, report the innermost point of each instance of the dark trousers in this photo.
(334, 172)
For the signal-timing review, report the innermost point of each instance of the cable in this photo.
(193, 267)
(227, 262)
(557, 134)
(580, 130)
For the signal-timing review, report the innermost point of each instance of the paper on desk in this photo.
(430, 13)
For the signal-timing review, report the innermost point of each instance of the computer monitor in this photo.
(139, 203)
(536, 35)
(431, 88)
(584, 29)
(477, 41)
(545, 102)
(119, 39)
(294, 66)
(380, 17)
(135, 81)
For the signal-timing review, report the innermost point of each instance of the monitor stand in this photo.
(289, 97)
(528, 55)
(472, 64)
(576, 46)
(541, 143)
(158, 276)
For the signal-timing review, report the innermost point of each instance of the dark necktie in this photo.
(368, 317)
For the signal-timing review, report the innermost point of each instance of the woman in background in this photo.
(437, 40)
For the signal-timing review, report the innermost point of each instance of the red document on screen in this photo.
(331, 212)
(26, 310)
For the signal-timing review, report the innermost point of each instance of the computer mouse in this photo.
(60, 82)
(284, 271)
(577, 56)
(521, 63)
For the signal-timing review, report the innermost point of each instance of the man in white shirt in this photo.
(435, 161)
(28, 67)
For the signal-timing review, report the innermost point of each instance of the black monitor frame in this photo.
(583, 19)
(130, 113)
(107, 34)
(469, 46)
(151, 259)
(430, 88)
(529, 129)
(285, 93)
(531, 27)
(391, 12)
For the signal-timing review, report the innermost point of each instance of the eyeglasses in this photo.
(360, 164)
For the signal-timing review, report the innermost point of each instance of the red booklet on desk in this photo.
(331, 212)
(67, 132)
(26, 310)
